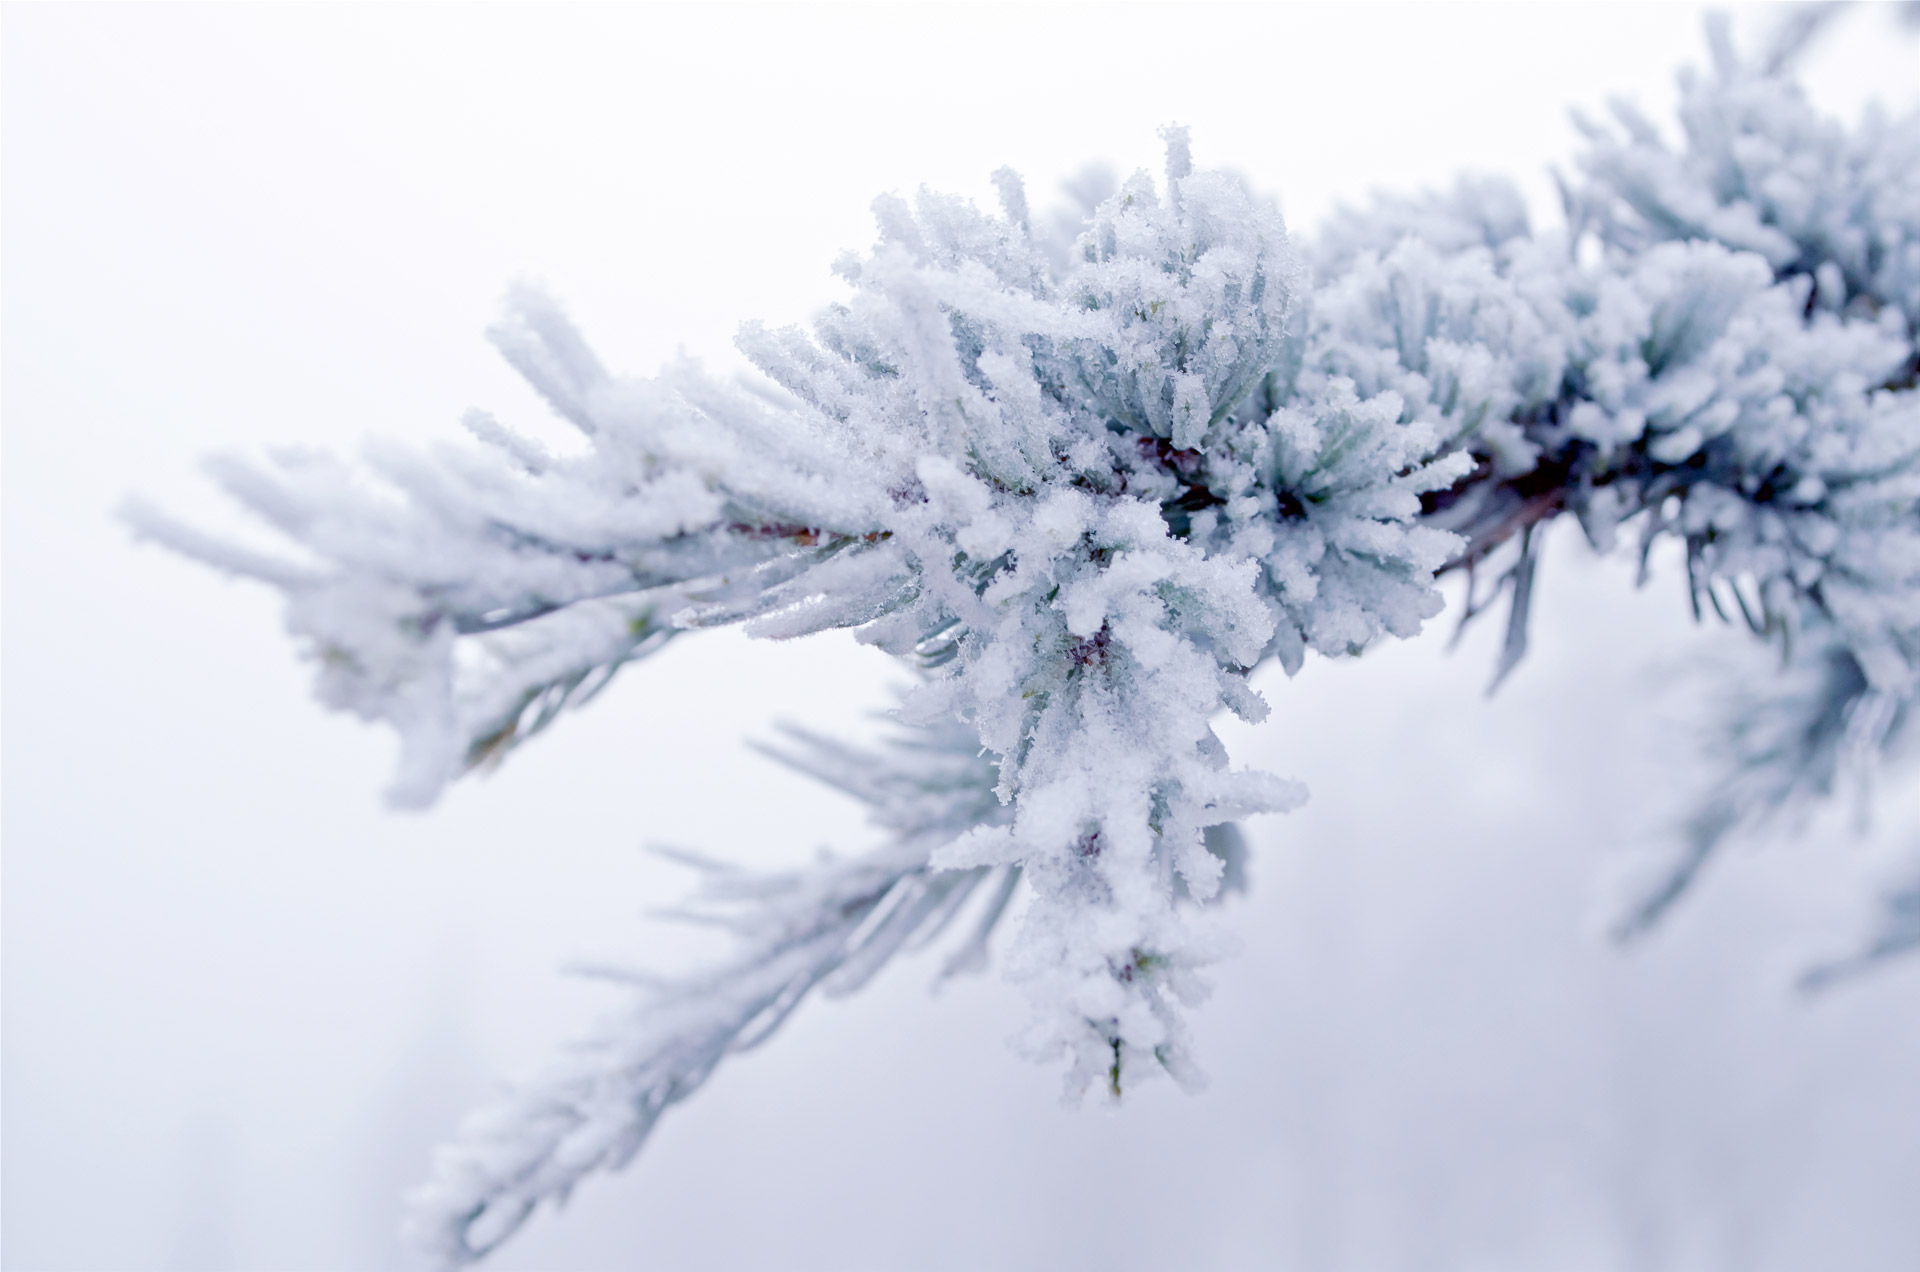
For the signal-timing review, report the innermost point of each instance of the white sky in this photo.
(242, 1000)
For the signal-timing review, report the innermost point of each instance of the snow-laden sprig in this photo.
(1761, 171)
(830, 926)
(1753, 345)
(1088, 643)
(1763, 437)
(1732, 367)
(1072, 498)
(465, 594)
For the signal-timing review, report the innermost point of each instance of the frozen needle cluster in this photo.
(1083, 485)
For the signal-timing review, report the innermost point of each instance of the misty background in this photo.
(242, 1000)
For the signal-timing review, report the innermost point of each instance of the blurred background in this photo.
(242, 1000)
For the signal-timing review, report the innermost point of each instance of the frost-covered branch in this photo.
(1084, 481)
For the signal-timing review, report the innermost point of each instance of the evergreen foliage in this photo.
(1083, 483)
